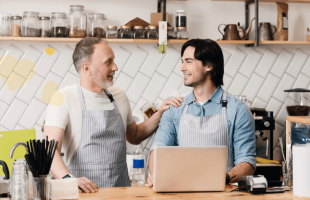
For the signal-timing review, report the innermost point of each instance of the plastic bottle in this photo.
(138, 175)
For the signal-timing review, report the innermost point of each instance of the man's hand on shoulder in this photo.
(176, 102)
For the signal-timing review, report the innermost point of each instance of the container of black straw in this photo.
(39, 159)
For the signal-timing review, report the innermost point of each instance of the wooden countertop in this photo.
(144, 192)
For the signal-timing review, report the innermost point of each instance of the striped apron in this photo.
(101, 154)
(205, 131)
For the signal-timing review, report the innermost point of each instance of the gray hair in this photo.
(84, 49)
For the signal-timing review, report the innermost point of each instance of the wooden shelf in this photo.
(235, 41)
(148, 41)
(284, 42)
(41, 39)
(271, 1)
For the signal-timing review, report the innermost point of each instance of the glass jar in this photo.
(120, 30)
(152, 33)
(180, 18)
(125, 32)
(308, 34)
(171, 34)
(138, 32)
(77, 22)
(45, 29)
(5, 24)
(59, 25)
(182, 33)
(16, 22)
(297, 102)
(111, 32)
(96, 25)
(30, 24)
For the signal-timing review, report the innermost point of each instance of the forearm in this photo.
(147, 128)
(59, 168)
(151, 163)
(242, 169)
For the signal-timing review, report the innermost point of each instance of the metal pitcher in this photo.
(265, 32)
(230, 32)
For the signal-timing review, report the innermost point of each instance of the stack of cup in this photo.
(19, 180)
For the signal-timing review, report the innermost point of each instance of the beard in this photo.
(199, 80)
(102, 82)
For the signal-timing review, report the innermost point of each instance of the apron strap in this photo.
(111, 98)
(81, 97)
(185, 109)
(224, 103)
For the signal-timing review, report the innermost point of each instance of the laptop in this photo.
(186, 169)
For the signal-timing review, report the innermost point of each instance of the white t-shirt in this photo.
(68, 116)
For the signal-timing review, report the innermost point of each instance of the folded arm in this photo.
(243, 144)
(166, 135)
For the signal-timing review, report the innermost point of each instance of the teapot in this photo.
(235, 32)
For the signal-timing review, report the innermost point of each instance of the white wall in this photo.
(243, 65)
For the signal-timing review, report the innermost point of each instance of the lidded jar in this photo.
(59, 25)
(30, 24)
(138, 32)
(182, 33)
(77, 22)
(16, 23)
(5, 24)
(152, 33)
(125, 32)
(298, 102)
(171, 34)
(180, 18)
(111, 32)
(96, 25)
(44, 24)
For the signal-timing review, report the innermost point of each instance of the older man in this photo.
(94, 121)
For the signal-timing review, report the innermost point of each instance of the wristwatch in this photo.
(68, 176)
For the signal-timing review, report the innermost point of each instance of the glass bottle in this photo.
(182, 33)
(138, 173)
(30, 24)
(77, 22)
(111, 32)
(5, 24)
(171, 34)
(138, 32)
(45, 26)
(16, 22)
(96, 25)
(152, 33)
(308, 34)
(126, 32)
(59, 25)
(180, 18)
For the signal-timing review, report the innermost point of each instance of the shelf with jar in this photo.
(59, 26)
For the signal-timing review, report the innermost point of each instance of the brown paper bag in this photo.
(282, 23)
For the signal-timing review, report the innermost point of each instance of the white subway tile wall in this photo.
(145, 75)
